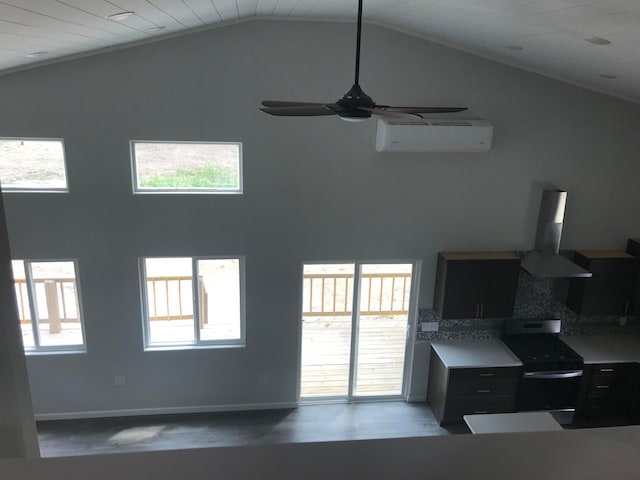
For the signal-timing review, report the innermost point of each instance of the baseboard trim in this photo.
(417, 398)
(163, 411)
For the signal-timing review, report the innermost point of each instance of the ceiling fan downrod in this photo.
(358, 36)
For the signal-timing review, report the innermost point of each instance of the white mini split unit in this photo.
(434, 135)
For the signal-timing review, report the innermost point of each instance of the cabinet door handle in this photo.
(487, 374)
(484, 391)
(482, 310)
(602, 386)
(480, 411)
(626, 307)
(477, 310)
(606, 369)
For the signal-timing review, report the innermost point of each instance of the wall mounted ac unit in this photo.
(434, 135)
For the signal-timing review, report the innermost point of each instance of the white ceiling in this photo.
(550, 33)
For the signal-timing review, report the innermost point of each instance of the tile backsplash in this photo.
(535, 298)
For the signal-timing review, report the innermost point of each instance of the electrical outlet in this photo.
(119, 381)
(429, 326)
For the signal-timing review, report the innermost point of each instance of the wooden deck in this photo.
(325, 356)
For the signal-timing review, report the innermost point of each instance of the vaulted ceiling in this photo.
(592, 43)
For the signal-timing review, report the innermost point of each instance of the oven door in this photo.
(556, 390)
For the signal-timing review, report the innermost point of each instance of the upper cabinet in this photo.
(633, 247)
(476, 284)
(609, 291)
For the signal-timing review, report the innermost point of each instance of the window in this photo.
(186, 167)
(193, 301)
(48, 305)
(32, 165)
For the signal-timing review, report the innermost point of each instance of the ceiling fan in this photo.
(355, 105)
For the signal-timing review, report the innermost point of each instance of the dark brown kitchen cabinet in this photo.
(454, 392)
(610, 290)
(633, 248)
(635, 396)
(607, 392)
(476, 284)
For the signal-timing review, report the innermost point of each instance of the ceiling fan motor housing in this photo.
(355, 101)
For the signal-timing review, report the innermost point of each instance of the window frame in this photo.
(37, 348)
(137, 190)
(197, 342)
(65, 189)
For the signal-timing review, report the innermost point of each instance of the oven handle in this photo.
(551, 375)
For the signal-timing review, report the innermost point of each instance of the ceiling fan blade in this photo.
(391, 114)
(278, 103)
(417, 110)
(299, 111)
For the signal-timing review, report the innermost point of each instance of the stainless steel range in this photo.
(551, 369)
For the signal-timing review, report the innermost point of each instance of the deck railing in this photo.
(176, 291)
(56, 294)
(329, 294)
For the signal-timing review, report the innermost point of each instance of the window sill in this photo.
(206, 346)
(71, 351)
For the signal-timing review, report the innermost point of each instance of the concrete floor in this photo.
(308, 423)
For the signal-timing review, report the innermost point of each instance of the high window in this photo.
(48, 305)
(193, 301)
(186, 167)
(32, 165)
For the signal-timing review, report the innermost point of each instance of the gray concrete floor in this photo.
(308, 423)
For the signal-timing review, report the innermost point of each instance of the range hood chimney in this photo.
(545, 260)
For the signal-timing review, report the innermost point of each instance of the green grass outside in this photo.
(208, 177)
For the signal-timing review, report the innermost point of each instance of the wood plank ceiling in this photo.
(544, 36)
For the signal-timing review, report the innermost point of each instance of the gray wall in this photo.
(315, 189)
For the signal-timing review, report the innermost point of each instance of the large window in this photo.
(28, 165)
(48, 305)
(193, 301)
(186, 167)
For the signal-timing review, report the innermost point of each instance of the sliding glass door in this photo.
(355, 330)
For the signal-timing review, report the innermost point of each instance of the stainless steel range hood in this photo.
(545, 260)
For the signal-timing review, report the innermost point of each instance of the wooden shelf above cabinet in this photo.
(479, 255)
(593, 254)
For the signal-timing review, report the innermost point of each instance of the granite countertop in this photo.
(605, 348)
(490, 352)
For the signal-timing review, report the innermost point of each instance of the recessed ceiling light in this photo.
(155, 29)
(608, 76)
(120, 16)
(41, 53)
(516, 48)
(597, 40)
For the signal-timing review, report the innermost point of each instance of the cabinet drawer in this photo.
(461, 374)
(460, 406)
(484, 387)
(596, 404)
(604, 370)
(601, 383)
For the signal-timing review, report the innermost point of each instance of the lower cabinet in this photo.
(607, 391)
(454, 392)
